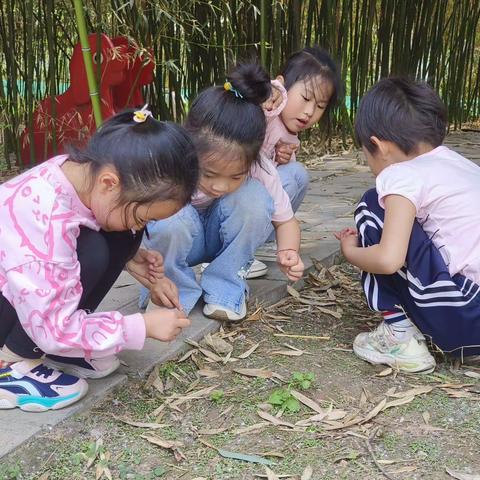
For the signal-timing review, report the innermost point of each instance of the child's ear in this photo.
(382, 146)
(280, 79)
(108, 181)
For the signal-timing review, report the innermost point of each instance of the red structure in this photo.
(124, 70)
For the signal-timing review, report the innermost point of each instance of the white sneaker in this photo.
(257, 269)
(217, 312)
(381, 347)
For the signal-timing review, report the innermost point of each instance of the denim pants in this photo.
(226, 235)
(295, 180)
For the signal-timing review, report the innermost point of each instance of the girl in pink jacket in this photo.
(67, 229)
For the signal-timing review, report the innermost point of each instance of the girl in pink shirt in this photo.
(240, 196)
(418, 233)
(67, 229)
(310, 83)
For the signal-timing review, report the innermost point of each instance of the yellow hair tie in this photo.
(229, 88)
(139, 116)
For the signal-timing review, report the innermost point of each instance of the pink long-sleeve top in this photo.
(276, 130)
(40, 219)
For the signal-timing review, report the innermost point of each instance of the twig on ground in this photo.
(372, 454)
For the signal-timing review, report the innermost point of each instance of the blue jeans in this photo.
(226, 235)
(295, 180)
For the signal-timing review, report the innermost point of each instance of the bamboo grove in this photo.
(194, 41)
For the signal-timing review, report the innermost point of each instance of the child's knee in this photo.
(251, 204)
(370, 198)
(301, 175)
(175, 233)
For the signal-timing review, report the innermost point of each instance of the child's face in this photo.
(306, 103)
(219, 177)
(135, 217)
(116, 218)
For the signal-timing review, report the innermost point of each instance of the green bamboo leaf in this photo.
(244, 457)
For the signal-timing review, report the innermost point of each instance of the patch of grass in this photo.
(10, 472)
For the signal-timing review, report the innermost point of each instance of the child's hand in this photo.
(164, 292)
(165, 324)
(274, 101)
(290, 264)
(284, 152)
(146, 265)
(348, 238)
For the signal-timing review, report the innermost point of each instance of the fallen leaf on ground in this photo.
(411, 468)
(270, 474)
(413, 392)
(385, 373)
(373, 413)
(218, 344)
(252, 428)
(471, 374)
(248, 352)
(167, 444)
(307, 401)
(152, 426)
(307, 473)
(187, 355)
(426, 417)
(210, 355)
(462, 476)
(288, 353)
(206, 372)
(294, 293)
(257, 372)
(276, 421)
(398, 402)
(212, 431)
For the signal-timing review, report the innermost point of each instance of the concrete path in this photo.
(336, 185)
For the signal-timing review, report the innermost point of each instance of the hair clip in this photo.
(229, 88)
(139, 116)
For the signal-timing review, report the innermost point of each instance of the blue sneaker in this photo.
(83, 368)
(33, 387)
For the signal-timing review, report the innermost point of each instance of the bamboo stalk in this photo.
(87, 59)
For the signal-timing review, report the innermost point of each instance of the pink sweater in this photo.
(276, 130)
(40, 219)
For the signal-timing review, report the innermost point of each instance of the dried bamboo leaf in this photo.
(270, 418)
(308, 402)
(252, 428)
(462, 476)
(248, 352)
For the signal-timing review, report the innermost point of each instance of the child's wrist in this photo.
(287, 250)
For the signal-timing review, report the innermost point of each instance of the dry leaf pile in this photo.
(282, 333)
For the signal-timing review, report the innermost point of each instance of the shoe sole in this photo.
(394, 362)
(81, 372)
(222, 317)
(251, 274)
(30, 403)
(257, 273)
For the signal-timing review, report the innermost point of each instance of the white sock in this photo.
(403, 330)
(7, 357)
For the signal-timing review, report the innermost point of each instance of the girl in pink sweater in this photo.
(67, 229)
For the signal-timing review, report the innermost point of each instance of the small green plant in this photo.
(282, 399)
(10, 472)
(217, 396)
(302, 381)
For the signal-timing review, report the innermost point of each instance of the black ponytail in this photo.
(232, 117)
